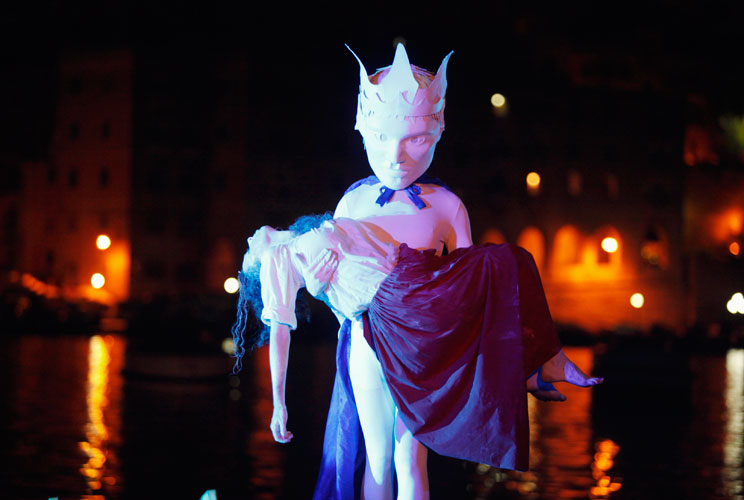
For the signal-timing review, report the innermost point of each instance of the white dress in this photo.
(364, 261)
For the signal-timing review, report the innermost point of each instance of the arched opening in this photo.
(492, 235)
(655, 247)
(609, 246)
(532, 240)
(566, 247)
(574, 183)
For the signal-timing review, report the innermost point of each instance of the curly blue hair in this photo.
(248, 331)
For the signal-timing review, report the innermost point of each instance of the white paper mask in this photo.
(401, 123)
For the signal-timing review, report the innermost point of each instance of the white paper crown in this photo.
(398, 94)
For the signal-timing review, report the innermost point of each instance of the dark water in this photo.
(83, 417)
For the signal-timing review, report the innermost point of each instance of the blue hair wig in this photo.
(248, 331)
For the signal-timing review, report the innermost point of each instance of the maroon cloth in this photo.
(457, 336)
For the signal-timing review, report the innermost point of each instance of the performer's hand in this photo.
(320, 271)
(279, 425)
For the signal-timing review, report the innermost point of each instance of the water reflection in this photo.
(603, 462)
(103, 397)
(733, 484)
(566, 459)
(75, 427)
(269, 464)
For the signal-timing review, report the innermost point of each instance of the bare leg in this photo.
(561, 369)
(410, 463)
(376, 416)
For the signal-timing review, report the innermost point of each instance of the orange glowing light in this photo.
(533, 180)
(609, 244)
(97, 280)
(637, 300)
(103, 242)
(734, 248)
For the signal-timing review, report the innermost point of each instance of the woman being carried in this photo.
(457, 372)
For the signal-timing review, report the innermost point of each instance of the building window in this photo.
(52, 175)
(72, 178)
(156, 181)
(107, 85)
(220, 181)
(72, 224)
(156, 222)
(154, 269)
(75, 86)
(104, 177)
(187, 273)
(655, 248)
(574, 183)
(71, 273)
(222, 134)
(613, 187)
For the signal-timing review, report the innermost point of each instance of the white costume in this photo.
(443, 222)
(364, 261)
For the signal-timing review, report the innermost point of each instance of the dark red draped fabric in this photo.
(457, 336)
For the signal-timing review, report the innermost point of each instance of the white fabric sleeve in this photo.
(341, 209)
(280, 283)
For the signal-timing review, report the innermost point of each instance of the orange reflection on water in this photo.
(103, 399)
(565, 462)
(603, 462)
(269, 467)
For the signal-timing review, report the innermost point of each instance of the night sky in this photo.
(302, 69)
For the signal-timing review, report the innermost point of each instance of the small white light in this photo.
(735, 305)
(231, 285)
(97, 280)
(609, 245)
(637, 300)
(498, 100)
(103, 242)
(228, 347)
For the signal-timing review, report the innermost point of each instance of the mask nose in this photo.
(395, 153)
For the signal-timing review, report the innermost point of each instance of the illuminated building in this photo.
(606, 222)
(83, 188)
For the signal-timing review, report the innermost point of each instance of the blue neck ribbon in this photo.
(413, 192)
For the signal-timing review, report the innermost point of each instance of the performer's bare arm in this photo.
(278, 359)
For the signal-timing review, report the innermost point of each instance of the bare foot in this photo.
(561, 369)
(544, 391)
